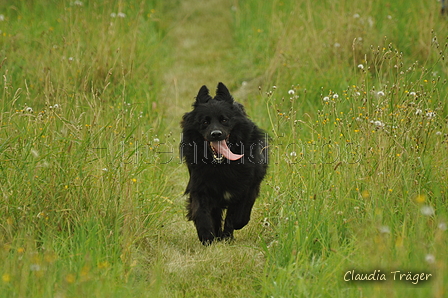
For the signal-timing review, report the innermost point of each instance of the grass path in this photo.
(202, 39)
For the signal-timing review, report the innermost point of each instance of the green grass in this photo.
(91, 186)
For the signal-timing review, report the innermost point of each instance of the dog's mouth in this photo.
(221, 150)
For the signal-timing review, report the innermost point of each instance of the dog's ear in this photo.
(222, 93)
(203, 95)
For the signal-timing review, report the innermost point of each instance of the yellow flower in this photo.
(365, 194)
(85, 271)
(6, 278)
(104, 264)
(70, 278)
(420, 198)
(50, 257)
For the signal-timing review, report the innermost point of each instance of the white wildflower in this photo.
(35, 267)
(427, 210)
(418, 112)
(121, 15)
(291, 92)
(335, 96)
(430, 115)
(442, 226)
(384, 229)
(266, 222)
(360, 66)
(326, 98)
(380, 93)
(378, 123)
(113, 15)
(429, 258)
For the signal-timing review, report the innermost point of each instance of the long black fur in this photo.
(215, 184)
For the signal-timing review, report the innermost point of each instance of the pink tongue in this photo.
(221, 148)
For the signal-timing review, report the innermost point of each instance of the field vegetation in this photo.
(353, 95)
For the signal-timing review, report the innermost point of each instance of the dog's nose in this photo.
(216, 133)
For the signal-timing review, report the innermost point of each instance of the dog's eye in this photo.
(205, 122)
(224, 120)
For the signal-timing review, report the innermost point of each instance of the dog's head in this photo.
(215, 118)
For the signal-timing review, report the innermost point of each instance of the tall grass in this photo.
(360, 186)
(358, 120)
(353, 96)
(79, 146)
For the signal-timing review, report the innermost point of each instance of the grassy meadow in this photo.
(352, 93)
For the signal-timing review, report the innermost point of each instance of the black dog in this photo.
(226, 155)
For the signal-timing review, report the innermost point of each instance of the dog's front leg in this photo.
(238, 215)
(200, 213)
(204, 228)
